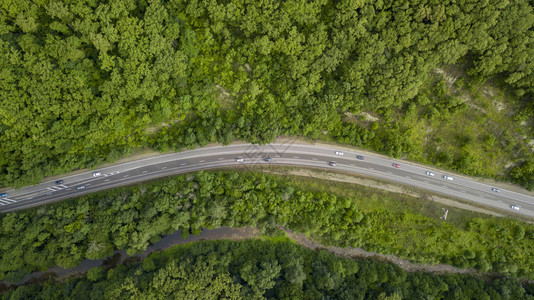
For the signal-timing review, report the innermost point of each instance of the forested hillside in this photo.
(272, 268)
(83, 82)
(131, 218)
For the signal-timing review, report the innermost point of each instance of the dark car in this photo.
(396, 165)
(359, 157)
(332, 163)
(3, 195)
(59, 181)
(267, 159)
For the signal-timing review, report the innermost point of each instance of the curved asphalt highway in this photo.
(283, 154)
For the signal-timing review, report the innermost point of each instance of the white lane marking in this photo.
(182, 164)
(2, 204)
(296, 157)
(51, 189)
(87, 184)
(220, 158)
(314, 158)
(353, 165)
(144, 172)
(370, 168)
(277, 156)
(106, 180)
(5, 202)
(202, 161)
(408, 177)
(425, 181)
(63, 186)
(125, 176)
(444, 186)
(163, 168)
(48, 194)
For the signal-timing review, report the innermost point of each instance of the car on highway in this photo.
(332, 163)
(239, 159)
(3, 195)
(396, 165)
(447, 177)
(59, 181)
(359, 157)
(496, 190)
(81, 187)
(96, 174)
(339, 153)
(514, 207)
(267, 159)
(430, 173)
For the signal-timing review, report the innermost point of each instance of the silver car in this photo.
(96, 174)
(429, 173)
(514, 207)
(447, 177)
(81, 187)
(496, 190)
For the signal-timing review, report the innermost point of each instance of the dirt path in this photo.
(236, 234)
(369, 182)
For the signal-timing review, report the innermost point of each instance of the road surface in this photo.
(280, 154)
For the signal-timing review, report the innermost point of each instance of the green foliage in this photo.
(131, 218)
(85, 83)
(266, 269)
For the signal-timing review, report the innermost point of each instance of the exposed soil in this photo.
(395, 188)
(235, 234)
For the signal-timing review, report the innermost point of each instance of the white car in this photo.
(496, 190)
(447, 177)
(81, 187)
(239, 159)
(339, 153)
(96, 174)
(429, 173)
(514, 207)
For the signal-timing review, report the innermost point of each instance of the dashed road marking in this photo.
(183, 164)
(144, 172)
(277, 156)
(106, 180)
(314, 158)
(49, 193)
(125, 176)
(370, 168)
(87, 184)
(408, 177)
(425, 181)
(220, 158)
(202, 161)
(163, 168)
(296, 157)
(353, 165)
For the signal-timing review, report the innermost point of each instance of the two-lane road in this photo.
(282, 154)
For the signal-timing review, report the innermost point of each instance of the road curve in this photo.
(281, 154)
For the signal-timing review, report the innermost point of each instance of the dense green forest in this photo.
(272, 268)
(131, 218)
(84, 82)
